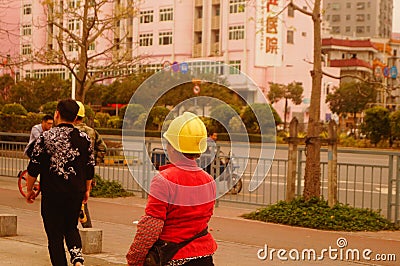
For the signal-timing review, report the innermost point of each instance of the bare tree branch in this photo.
(296, 7)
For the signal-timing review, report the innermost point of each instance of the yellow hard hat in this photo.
(81, 111)
(187, 134)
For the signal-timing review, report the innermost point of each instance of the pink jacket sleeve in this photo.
(148, 231)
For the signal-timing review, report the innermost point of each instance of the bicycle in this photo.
(228, 167)
(22, 184)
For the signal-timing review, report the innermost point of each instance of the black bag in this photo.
(163, 251)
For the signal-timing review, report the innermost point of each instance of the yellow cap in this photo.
(81, 111)
(187, 134)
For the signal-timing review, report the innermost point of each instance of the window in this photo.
(117, 42)
(290, 11)
(360, 29)
(360, 17)
(27, 9)
(234, 67)
(90, 22)
(216, 10)
(236, 6)
(72, 47)
(335, 18)
(199, 12)
(348, 29)
(146, 16)
(26, 30)
(336, 29)
(74, 3)
(348, 17)
(360, 5)
(165, 38)
(290, 36)
(26, 49)
(348, 5)
(166, 14)
(91, 47)
(146, 39)
(335, 6)
(73, 24)
(236, 32)
(198, 38)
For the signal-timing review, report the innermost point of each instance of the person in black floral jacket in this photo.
(64, 159)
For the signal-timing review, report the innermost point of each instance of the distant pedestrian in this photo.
(180, 202)
(64, 159)
(99, 148)
(37, 130)
(208, 156)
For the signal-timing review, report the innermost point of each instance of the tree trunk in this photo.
(312, 182)
(284, 119)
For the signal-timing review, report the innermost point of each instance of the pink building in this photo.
(9, 36)
(244, 34)
(232, 32)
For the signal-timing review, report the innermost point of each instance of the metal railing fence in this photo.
(371, 180)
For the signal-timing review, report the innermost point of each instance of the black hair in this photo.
(191, 155)
(47, 118)
(68, 109)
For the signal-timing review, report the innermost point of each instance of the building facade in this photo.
(256, 38)
(361, 18)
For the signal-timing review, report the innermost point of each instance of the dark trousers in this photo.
(206, 261)
(60, 218)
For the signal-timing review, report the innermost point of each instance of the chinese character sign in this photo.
(269, 33)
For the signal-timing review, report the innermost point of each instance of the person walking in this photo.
(99, 148)
(64, 159)
(208, 157)
(181, 199)
(37, 130)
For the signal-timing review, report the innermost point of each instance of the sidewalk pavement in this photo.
(239, 240)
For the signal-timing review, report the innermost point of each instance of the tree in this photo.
(87, 38)
(33, 93)
(395, 124)
(351, 97)
(312, 173)
(131, 112)
(376, 124)
(223, 114)
(14, 109)
(253, 123)
(6, 83)
(157, 116)
(292, 91)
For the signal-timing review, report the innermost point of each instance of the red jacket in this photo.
(183, 196)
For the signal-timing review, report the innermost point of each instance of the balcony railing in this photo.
(215, 21)
(197, 50)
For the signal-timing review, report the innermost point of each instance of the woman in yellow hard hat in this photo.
(181, 200)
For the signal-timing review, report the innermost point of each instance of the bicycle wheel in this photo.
(237, 184)
(22, 185)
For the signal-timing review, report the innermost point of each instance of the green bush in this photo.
(108, 189)
(49, 107)
(102, 118)
(114, 122)
(316, 214)
(14, 109)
